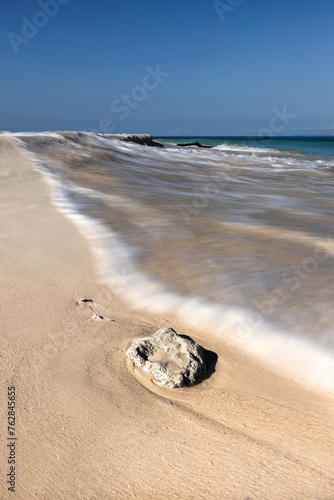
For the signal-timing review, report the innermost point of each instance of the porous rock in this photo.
(174, 360)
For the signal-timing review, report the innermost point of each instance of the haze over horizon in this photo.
(168, 68)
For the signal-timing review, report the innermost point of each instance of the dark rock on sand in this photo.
(174, 360)
(197, 144)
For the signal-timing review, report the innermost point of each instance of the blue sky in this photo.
(168, 67)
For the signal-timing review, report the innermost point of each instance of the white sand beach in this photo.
(89, 428)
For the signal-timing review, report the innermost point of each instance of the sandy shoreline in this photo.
(87, 428)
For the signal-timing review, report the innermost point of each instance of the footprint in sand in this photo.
(95, 308)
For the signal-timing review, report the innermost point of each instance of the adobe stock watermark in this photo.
(277, 124)
(123, 105)
(31, 27)
(292, 279)
(222, 8)
(204, 195)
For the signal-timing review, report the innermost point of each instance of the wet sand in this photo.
(88, 427)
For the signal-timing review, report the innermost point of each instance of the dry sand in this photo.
(88, 428)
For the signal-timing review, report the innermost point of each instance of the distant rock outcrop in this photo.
(144, 139)
(196, 144)
(174, 360)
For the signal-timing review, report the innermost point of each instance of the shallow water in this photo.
(237, 239)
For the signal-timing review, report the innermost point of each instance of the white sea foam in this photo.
(291, 355)
(245, 149)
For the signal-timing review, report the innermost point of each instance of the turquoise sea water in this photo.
(312, 146)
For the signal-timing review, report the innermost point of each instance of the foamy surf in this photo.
(281, 350)
(146, 184)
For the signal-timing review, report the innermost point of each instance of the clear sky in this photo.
(168, 67)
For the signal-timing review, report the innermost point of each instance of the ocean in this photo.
(236, 240)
